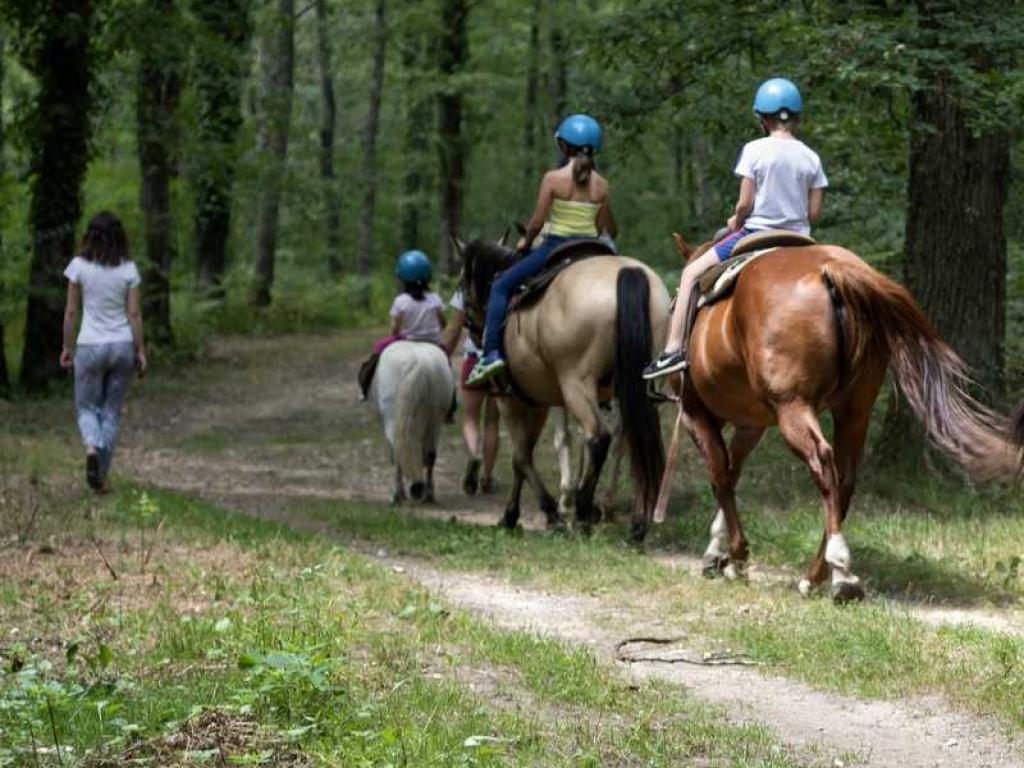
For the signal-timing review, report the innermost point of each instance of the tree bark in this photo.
(454, 52)
(558, 84)
(59, 142)
(328, 119)
(159, 91)
(5, 381)
(370, 142)
(530, 110)
(954, 259)
(279, 86)
(219, 73)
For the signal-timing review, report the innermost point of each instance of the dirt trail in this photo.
(289, 428)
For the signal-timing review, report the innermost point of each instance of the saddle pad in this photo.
(561, 258)
(770, 238)
(718, 281)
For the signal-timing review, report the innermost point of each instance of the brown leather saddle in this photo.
(560, 259)
(718, 281)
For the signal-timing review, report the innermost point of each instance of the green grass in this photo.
(324, 650)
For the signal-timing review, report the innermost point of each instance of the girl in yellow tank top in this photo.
(573, 200)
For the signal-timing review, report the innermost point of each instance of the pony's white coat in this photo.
(412, 390)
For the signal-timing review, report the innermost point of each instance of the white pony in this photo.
(412, 391)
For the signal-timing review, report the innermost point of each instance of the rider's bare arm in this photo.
(605, 220)
(815, 199)
(453, 331)
(540, 212)
(396, 326)
(744, 204)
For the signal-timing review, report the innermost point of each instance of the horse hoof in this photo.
(508, 523)
(397, 499)
(847, 592)
(418, 490)
(734, 572)
(713, 567)
(586, 529)
(557, 525)
(638, 533)
(805, 587)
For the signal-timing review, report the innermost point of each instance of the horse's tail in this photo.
(633, 343)
(419, 410)
(885, 319)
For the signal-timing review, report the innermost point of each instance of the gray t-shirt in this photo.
(104, 299)
(418, 320)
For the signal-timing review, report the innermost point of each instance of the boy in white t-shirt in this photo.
(782, 186)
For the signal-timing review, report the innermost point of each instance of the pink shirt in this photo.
(418, 320)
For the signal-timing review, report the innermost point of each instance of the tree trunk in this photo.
(530, 111)
(370, 142)
(418, 118)
(159, 89)
(454, 52)
(279, 85)
(328, 118)
(558, 85)
(219, 73)
(59, 142)
(955, 251)
(5, 381)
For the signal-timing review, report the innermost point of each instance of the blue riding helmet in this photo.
(777, 95)
(581, 131)
(413, 266)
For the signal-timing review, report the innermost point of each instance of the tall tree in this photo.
(558, 79)
(219, 70)
(161, 63)
(328, 119)
(530, 109)
(54, 41)
(279, 85)
(419, 114)
(954, 258)
(5, 382)
(380, 39)
(452, 145)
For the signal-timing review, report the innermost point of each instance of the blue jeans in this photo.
(508, 281)
(724, 246)
(102, 375)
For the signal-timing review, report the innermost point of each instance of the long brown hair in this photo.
(104, 241)
(582, 164)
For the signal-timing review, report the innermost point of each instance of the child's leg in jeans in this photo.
(119, 377)
(691, 273)
(89, 375)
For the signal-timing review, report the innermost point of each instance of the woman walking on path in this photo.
(110, 346)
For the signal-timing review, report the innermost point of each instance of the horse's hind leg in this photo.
(563, 447)
(581, 400)
(429, 459)
(525, 424)
(802, 431)
(727, 551)
(398, 492)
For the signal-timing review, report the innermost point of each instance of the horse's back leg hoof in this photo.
(471, 478)
(714, 566)
(637, 533)
(847, 592)
(510, 520)
(418, 490)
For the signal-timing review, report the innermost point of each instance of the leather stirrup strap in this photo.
(665, 491)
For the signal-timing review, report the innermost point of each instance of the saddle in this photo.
(718, 282)
(561, 258)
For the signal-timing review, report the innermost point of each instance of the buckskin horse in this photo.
(591, 333)
(814, 328)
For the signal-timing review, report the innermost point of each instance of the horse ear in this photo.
(520, 228)
(681, 245)
(459, 246)
(503, 240)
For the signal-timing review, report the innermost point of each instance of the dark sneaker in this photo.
(487, 368)
(92, 472)
(664, 364)
(469, 480)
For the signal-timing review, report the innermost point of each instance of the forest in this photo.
(271, 159)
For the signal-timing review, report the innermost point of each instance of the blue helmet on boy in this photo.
(777, 95)
(580, 131)
(413, 266)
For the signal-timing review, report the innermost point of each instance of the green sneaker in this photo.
(486, 369)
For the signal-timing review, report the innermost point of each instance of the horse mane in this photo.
(482, 260)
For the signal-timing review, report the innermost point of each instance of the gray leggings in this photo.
(102, 375)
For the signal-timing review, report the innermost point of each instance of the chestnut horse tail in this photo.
(883, 318)
(633, 348)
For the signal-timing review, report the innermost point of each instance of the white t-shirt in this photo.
(104, 299)
(418, 320)
(784, 171)
(458, 303)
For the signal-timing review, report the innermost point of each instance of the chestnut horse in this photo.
(592, 332)
(814, 328)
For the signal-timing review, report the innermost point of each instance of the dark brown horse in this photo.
(590, 335)
(809, 329)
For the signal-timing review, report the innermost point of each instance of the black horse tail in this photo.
(640, 425)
